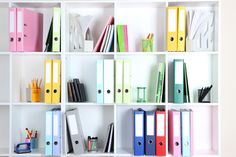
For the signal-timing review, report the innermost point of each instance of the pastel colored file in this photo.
(191, 133)
(122, 37)
(100, 91)
(138, 132)
(56, 83)
(29, 30)
(108, 81)
(126, 38)
(172, 24)
(127, 81)
(12, 29)
(150, 141)
(56, 42)
(105, 38)
(56, 133)
(48, 82)
(185, 132)
(49, 136)
(174, 135)
(160, 133)
(186, 87)
(101, 38)
(181, 28)
(178, 81)
(110, 41)
(118, 81)
(160, 82)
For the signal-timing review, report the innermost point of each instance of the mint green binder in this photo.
(160, 83)
(120, 38)
(178, 81)
(186, 87)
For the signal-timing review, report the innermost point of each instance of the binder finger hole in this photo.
(177, 143)
(179, 91)
(181, 39)
(108, 91)
(48, 143)
(99, 91)
(47, 91)
(139, 143)
(11, 39)
(76, 142)
(19, 39)
(126, 90)
(55, 38)
(54, 91)
(171, 39)
(161, 143)
(119, 90)
(55, 143)
(150, 141)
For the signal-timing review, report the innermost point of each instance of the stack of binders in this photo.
(180, 132)
(105, 81)
(122, 38)
(26, 30)
(160, 96)
(52, 93)
(176, 29)
(181, 87)
(150, 132)
(109, 145)
(53, 133)
(76, 91)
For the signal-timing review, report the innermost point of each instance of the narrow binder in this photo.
(185, 132)
(122, 38)
(172, 15)
(56, 39)
(118, 81)
(150, 141)
(56, 132)
(138, 132)
(178, 80)
(186, 86)
(49, 136)
(12, 29)
(56, 86)
(108, 81)
(127, 81)
(160, 133)
(181, 28)
(100, 91)
(160, 83)
(48, 82)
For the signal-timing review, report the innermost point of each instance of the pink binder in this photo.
(99, 42)
(12, 29)
(174, 135)
(126, 38)
(29, 30)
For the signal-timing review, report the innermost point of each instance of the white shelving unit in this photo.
(142, 17)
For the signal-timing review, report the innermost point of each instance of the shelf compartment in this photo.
(4, 131)
(5, 78)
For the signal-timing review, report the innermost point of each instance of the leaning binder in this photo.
(172, 15)
(48, 82)
(12, 29)
(56, 42)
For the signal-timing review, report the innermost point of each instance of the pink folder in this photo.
(174, 133)
(126, 38)
(29, 30)
(99, 42)
(12, 29)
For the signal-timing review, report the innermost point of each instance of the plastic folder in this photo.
(172, 17)
(56, 83)
(48, 82)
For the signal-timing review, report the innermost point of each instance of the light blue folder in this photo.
(48, 142)
(56, 133)
(185, 133)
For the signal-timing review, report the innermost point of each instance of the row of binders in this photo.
(76, 91)
(26, 31)
(113, 81)
(150, 132)
(52, 85)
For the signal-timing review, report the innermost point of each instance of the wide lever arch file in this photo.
(12, 29)
(118, 81)
(172, 17)
(150, 141)
(181, 28)
(127, 81)
(56, 83)
(100, 91)
(160, 132)
(48, 82)
(108, 81)
(56, 133)
(178, 80)
(56, 39)
(49, 133)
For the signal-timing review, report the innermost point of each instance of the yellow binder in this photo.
(56, 83)
(48, 82)
(172, 17)
(181, 28)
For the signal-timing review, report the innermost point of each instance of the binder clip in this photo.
(22, 148)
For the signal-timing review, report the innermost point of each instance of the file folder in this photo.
(108, 81)
(160, 83)
(160, 133)
(150, 142)
(174, 135)
(56, 42)
(172, 15)
(118, 81)
(49, 136)
(191, 133)
(126, 81)
(29, 30)
(181, 28)
(12, 29)
(75, 130)
(56, 133)
(48, 82)
(56, 85)
(100, 91)
(178, 80)
(139, 132)
(185, 132)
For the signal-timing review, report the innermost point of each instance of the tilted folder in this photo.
(138, 132)
(29, 30)
(185, 132)
(56, 39)
(150, 141)
(178, 80)
(127, 81)
(12, 29)
(56, 84)
(48, 82)
(181, 28)
(56, 133)
(160, 133)
(100, 91)
(108, 81)
(118, 81)
(172, 24)
(160, 83)
(49, 136)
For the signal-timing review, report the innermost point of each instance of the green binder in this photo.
(186, 87)
(178, 81)
(120, 38)
(160, 83)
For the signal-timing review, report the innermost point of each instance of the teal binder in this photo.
(178, 81)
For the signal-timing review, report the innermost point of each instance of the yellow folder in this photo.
(48, 82)
(172, 28)
(181, 28)
(56, 83)
(56, 42)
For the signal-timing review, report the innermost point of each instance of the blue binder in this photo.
(185, 133)
(150, 142)
(138, 132)
(178, 81)
(56, 133)
(100, 91)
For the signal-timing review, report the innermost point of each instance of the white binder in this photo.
(108, 81)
